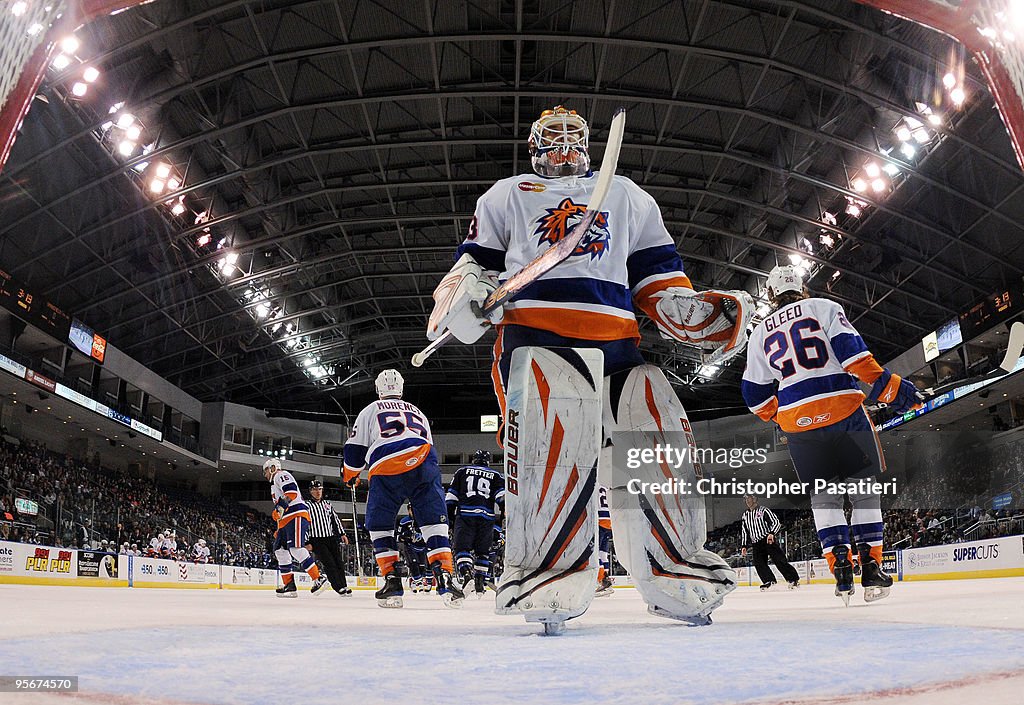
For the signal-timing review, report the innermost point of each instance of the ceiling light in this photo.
(890, 169)
(796, 259)
(69, 44)
(126, 147)
(262, 310)
(90, 74)
(935, 119)
(231, 257)
(178, 208)
(921, 135)
(827, 240)
(156, 186)
(133, 132)
(853, 209)
(903, 133)
(61, 62)
(878, 185)
(203, 240)
(913, 123)
(872, 170)
(908, 150)
(18, 8)
(125, 120)
(957, 96)
(173, 184)
(860, 185)
(163, 171)
(949, 80)
(79, 89)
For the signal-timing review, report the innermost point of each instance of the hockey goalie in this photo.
(570, 379)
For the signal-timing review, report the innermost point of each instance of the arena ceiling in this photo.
(319, 162)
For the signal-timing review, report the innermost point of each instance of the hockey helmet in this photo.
(389, 384)
(560, 143)
(482, 458)
(271, 466)
(783, 278)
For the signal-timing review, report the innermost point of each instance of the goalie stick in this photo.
(561, 251)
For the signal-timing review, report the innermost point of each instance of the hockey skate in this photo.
(318, 585)
(287, 590)
(765, 587)
(794, 584)
(479, 584)
(390, 595)
(451, 594)
(344, 592)
(842, 569)
(605, 588)
(875, 581)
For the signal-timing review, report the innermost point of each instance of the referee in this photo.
(760, 525)
(325, 535)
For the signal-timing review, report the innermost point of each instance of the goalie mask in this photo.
(389, 384)
(560, 143)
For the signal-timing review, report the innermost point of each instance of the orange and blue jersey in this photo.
(625, 258)
(604, 515)
(389, 437)
(288, 502)
(803, 363)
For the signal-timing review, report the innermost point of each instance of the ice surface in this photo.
(930, 642)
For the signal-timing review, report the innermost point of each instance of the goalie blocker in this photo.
(555, 401)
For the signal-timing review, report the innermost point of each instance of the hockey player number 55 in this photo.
(778, 345)
(391, 425)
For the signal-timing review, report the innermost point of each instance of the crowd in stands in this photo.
(85, 505)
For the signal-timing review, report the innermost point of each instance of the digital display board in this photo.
(994, 308)
(34, 309)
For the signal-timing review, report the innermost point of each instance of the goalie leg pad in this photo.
(552, 444)
(660, 537)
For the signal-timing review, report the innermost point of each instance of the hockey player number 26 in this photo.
(810, 350)
(391, 424)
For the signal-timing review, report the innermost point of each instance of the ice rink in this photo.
(930, 642)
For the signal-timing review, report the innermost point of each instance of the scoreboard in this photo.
(994, 308)
(49, 318)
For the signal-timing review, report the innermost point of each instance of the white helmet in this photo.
(271, 466)
(202, 542)
(160, 536)
(389, 384)
(783, 278)
(559, 143)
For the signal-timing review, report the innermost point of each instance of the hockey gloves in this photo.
(896, 392)
(458, 300)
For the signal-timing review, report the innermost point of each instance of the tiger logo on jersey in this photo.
(558, 221)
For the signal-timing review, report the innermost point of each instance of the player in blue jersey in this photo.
(475, 500)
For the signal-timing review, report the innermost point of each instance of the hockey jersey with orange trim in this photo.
(390, 436)
(625, 258)
(803, 362)
(288, 502)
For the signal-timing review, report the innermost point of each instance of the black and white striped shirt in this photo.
(758, 523)
(324, 522)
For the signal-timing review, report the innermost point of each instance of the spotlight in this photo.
(79, 89)
(957, 96)
(908, 150)
(61, 62)
(125, 120)
(126, 147)
(156, 186)
(90, 74)
(163, 171)
(878, 185)
(133, 133)
(860, 185)
(69, 44)
(872, 170)
(178, 208)
(903, 133)
(949, 80)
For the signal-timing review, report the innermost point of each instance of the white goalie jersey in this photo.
(590, 295)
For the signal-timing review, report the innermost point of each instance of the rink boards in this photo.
(46, 565)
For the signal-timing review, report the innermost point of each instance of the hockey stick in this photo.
(561, 251)
(1014, 350)
(355, 531)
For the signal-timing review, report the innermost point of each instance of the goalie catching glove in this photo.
(458, 300)
(714, 321)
